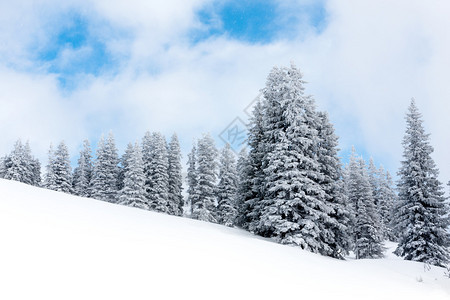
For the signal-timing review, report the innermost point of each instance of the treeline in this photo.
(289, 185)
(147, 175)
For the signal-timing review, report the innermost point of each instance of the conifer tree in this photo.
(21, 166)
(123, 168)
(133, 191)
(367, 238)
(336, 230)
(106, 170)
(250, 208)
(204, 206)
(386, 198)
(421, 209)
(244, 188)
(61, 170)
(192, 179)
(158, 191)
(82, 175)
(175, 177)
(49, 180)
(227, 188)
(293, 209)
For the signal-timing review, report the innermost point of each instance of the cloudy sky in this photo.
(71, 70)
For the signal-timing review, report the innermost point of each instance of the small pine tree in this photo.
(227, 188)
(366, 233)
(176, 202)
(82, 175)
(421, 209)
(106, 171)
(244, 188)
(49, 179)
(61, 170)
(133, 191)
(158, 191)
(192, 179)
(204, 206)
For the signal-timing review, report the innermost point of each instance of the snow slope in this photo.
(57, 246)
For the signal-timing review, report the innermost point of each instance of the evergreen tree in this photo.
(244, 188)
(124, 166)
(293, 209)
(133, 191)
(250, 208)
(192, 179)
(336, 230)
(386, 198)
(158, 191)
(147, 160)
(204, 206)
(21, 166)
(106, 170)
(175, 177)
(82, 175)
(61, 170)
(50, 180)
(227, 188)
(421, 210)
(366, 233)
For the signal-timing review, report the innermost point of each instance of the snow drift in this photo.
(58, 246)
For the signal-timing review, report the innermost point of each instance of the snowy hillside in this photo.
(57, 246)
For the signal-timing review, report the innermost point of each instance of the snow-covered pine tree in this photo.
(82, 175)
(123, 168)
(367, 238)
(61, 170)
(227, 188)
(244, 188)
(20, 165)
(250, 208)
(147, 159)
(386, 198)
(158, 191)
(421, 210)
(336, 230)
(133, 191)
(176, 202)
(293, 210)
(192, 179)
(106, 171)
(49, 179)
(204, 206)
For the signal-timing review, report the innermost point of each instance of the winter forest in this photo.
(288, 184)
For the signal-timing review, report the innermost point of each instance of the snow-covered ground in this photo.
(57, 246)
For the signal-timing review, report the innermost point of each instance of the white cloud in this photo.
(363, 68)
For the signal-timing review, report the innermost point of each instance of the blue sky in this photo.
(80, 69)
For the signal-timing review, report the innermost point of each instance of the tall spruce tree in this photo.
(227, 188)
(367, 238)
(82, 175)
(176, 202)
(293, 209)
(421, 210)
(106, 171)
(133, 191)
(204, 206)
